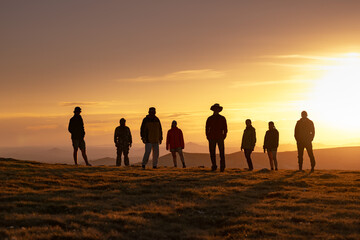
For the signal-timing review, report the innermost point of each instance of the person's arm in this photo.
(296, 131)
(115, 136)
(207, 128)
(242, 141)
(82, 127)
(70, 127)
(225, 129)
(130, 137)
(313, 130)
(182, 140)
(161, 133)
(168, 140)
(265, 140)
(143, 130)
(254, 139)
(277, 139)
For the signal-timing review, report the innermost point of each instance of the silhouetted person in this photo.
(271, 143)
(175, 143)
(248, 142)
(123, 141)
(151, 135)
(76, 128)
(216, 131)
(304, 135)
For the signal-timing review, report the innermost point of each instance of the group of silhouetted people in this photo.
(216, 132)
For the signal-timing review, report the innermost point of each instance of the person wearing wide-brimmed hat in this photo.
(76, 128)
(216, 131)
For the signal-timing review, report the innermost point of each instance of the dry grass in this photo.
(41, 201)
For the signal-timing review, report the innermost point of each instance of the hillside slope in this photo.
(43, 201)
(346, 158)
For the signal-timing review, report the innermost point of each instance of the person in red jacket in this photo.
(175, 143)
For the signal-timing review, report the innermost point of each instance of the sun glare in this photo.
(336, 95)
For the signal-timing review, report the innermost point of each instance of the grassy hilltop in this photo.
(43, 201)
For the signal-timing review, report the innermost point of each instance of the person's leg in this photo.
(82, 147)
(248, 158)
(155, 154)
(221, 146)
(212, 145)
(118, 156)
(300, 148)
(126, 156)
(75, 155)
(173, 153)
(145, 160)
(83, 151)
(310, 152)
(182, 157)
(274, 152)
(270, 155)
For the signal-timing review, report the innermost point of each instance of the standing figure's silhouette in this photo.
(77, 130)
(175, 143)
(304, 135)
(123, 141)
(271, 143)
(216, 131)
(151, 135)
(248, 142)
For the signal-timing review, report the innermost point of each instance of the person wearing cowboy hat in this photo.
(76, 128)
(216, 130)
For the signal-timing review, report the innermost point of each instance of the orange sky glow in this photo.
(266, 60)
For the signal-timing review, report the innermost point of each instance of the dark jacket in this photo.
(249, 138)
(304, 130)
(216, 127)
(76, 127)
(175, 139)
(122, 136)
(151, 131)
(271, 140)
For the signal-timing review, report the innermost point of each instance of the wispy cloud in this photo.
(69, 104)
(42, 127)
(299, 56)
(267, 83)
(199, 74)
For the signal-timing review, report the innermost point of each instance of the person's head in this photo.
(304, 114)
(122, 122)
(77, 110)
(271, 125)
(216, 108)
(248, 122)
(152, 111)
(173, 124)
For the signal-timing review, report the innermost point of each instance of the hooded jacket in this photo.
(151, 131)
(122, 136)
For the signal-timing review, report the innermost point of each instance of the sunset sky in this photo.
(266, 60)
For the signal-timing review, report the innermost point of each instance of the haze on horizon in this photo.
(266, 60)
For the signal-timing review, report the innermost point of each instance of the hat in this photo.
(216, 106)
(77, 109)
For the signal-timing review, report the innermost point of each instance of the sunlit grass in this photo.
(41, 201)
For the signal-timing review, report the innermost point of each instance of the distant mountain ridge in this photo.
(345, 158)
